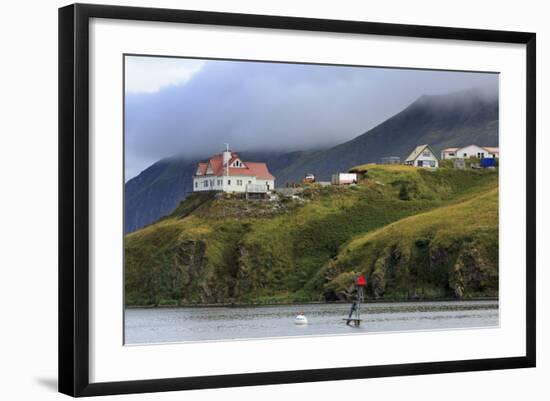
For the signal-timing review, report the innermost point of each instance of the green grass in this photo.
(222, 249)
(449, 251)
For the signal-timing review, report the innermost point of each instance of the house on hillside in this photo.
(465, 152)
(448, 153)
(422, 156)
(228, 173)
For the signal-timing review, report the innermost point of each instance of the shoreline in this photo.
(256, 305)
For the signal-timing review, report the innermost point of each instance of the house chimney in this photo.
(226, 155)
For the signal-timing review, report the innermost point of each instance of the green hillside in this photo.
(218, 248)
(450, 250)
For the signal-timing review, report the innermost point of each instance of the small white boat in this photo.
(300, 319)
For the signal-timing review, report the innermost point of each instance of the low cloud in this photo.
(151, 74)
(265, 106)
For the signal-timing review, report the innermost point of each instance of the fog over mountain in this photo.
(454, 119)
(190, 108)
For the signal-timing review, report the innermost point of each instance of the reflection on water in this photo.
(225, 323)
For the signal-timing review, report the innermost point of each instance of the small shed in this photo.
(459, 163)
(391, 160)
(309, 178)
(344, 179)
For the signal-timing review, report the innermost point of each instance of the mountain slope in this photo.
(444, 120)
(456, 119)
(216, 248)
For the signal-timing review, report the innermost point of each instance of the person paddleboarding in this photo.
(352, 311)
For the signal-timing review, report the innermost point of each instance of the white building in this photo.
(227, 172)
(493, 152)
(422, 156)
(344, 179)
(449, 153)
(470, 151)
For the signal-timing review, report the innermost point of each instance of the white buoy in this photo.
(300, 319)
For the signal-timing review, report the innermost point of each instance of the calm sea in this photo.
(158, 325)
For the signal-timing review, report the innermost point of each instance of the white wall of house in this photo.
(207, 183)
(269, 183)
(232, 183)
(472, 151)
(469, 151)
(448, 155)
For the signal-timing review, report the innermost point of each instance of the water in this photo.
(145, 326)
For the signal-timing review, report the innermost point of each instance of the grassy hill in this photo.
(450, 250)
(217, 248)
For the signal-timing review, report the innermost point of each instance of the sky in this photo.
(191, 107)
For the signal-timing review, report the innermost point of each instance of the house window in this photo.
(219, 182)
(196, 184)
(451, 154)
(228, 182)
(239, 182)
(250, 182)
(206, 183)
(465, 155)
(426, 153)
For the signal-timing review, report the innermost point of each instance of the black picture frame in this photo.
(74, 198)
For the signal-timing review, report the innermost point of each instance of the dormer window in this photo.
(237, 163)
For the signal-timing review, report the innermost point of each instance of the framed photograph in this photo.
(252, 199)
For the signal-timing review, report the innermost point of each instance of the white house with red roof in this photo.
(228, 173)
(465, 152)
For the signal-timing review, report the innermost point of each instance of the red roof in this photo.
(202, 167)
(491, 150)
(260, 170)
(252, 169)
